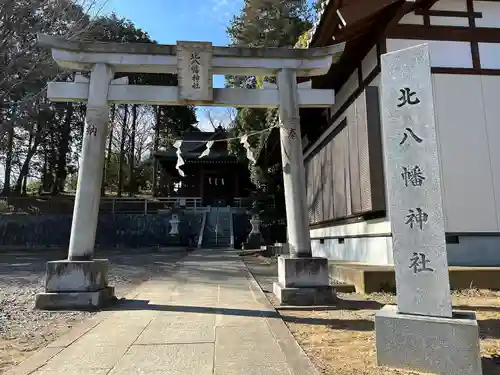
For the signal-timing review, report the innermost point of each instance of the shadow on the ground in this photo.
(491, 365)
(355, 325)
(136, 304)
(489, 328)
(477, 308)
(336, 324)
(341, 304)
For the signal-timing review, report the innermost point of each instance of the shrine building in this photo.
(219, 178)
(342, 144)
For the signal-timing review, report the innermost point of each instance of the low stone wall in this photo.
(376, 278)
(120, 230)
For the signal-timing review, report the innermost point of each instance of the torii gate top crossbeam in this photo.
(157, 58)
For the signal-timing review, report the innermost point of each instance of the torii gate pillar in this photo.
(82, 281)
(302, 278)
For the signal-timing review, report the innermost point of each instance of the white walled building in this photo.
(343, 158)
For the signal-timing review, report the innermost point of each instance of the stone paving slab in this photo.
(209, 317)
(74, 372)
(82, 356)
(178, 359)
(164, 331)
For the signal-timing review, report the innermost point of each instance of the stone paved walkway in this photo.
(208, 317)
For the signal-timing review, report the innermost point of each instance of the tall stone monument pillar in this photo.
(81, 281)
(422, 332)
(302, 279)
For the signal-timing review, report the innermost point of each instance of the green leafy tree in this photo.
(41, 140)
(263, 23)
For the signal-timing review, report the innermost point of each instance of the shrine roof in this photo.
(351, 19)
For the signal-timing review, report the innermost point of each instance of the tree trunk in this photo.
(22, 181)
(155, 149)
(51, 166)
(25, 168)
(131, 184)
(43, 183)
(122, 152)
(25, 185)
(63, 151)
(8, 161)
(107, 165)
(23, 175)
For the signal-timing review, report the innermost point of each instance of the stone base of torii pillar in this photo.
(302, 279)
(80, 285)
(303, 282)
(81, 282)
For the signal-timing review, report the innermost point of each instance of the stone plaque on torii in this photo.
(194, 64)
(302, 279)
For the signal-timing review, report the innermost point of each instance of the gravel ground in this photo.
(23, 329)
(340, 339)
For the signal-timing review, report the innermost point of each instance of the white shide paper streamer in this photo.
(206, 152)
(246, 145)
(180, 160)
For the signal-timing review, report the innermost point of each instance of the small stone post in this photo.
(302, 279)
(422, 332)
(80, 281)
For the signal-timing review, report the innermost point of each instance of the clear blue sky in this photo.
(168, 21)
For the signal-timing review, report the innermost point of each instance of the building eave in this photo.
(341, 21)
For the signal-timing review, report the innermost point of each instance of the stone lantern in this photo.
(255, 239)
(174, 225)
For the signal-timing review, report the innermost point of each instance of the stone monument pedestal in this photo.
(175, 240)
(75, 285)
(254, 241)
(447, 346)
(303, 282)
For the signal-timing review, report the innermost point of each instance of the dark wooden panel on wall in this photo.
(314, 194)
(347, 171)
(364, 153)
(338, 178)
(327, 181)
(345, 174)
(320, 165)
(354, 162)
(375, 142)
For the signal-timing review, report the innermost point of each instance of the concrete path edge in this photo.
(296, 358)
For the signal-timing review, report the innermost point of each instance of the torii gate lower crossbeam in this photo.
(302, 279)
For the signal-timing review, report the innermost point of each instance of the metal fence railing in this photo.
(113, 205)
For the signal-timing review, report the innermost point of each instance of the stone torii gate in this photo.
(81, 280)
